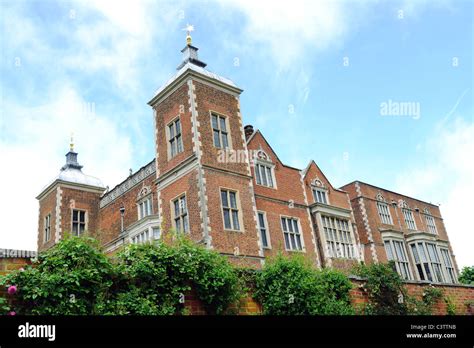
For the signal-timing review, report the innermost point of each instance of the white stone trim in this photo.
(365, 219)
(58, 230)
(313, 233)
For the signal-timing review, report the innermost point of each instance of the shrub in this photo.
(155, 278)
(291, 286)
(387, 294)
(65, 279)
(385, 289)
(76, 278)
(467, 275)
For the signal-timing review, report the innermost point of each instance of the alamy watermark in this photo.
(400, 108)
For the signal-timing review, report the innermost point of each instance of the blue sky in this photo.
(314, 74)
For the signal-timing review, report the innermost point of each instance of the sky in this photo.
(376, 91)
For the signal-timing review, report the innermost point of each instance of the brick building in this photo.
(403, 229)
(214, 180)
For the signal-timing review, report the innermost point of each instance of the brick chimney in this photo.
(248, 129)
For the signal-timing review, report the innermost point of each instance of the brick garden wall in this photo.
(459, 294)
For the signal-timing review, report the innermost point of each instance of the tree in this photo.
(467, 275)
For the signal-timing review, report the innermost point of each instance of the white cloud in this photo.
(447, 177)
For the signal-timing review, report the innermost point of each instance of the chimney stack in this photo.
(248, 129)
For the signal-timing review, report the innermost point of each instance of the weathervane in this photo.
(189, 28)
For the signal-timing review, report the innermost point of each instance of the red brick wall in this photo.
(224, 240)
(9, 264)
(186, 184)
(274, 210)
(369, 194)
(459, 295)
(110, 221)
(211, 99)
(176, 104)
(82, 200)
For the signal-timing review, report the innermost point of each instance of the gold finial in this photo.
(71, 145)
(189, 28)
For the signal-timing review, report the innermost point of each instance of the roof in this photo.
(198, 69)
(76, 176)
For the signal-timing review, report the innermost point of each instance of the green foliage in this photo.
(155, 278)
(450, 306)
(467, 275)
(4, 306)
(431, 296)
(385, 289)
(388, 296)
(76, 278)
(291, 286)
(65, 280)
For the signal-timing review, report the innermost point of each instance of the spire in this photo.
(190, 54)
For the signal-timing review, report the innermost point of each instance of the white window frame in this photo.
(263, 230)
(268, 177)
(399, 256)
(323, 194)
(145, 207)
(430, 224)
(384, 213)
(142, 237)
(291, 244)
(221, 132)
(47, 228)
(429, 264)
(450, 271)
(409, 218)
(183, 214)
(232, 210)
(174, 139)
(339, 238)
(78, 222)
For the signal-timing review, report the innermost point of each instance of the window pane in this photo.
(263, 175)
(222, 124)
(225, 142)
(269, 177)
(176, 208)
(178, 127)
(214, 122)
(224, 198)
(298, 242)
(257, 174)
(178, 224)
(74, 215)
(186, 223)
(263, 235)
(292, 241)
(287, 242)
(283, 222)
(171, 129)
(82, 216)
(235, 219)
(227, 219)
(233, 203)
(217, 141)
(295, 226)
(261, 220)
